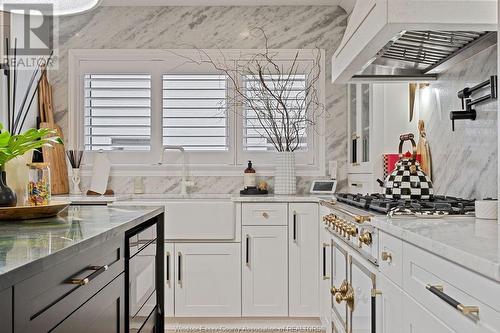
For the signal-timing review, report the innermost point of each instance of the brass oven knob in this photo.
(365, 238)
(352, 231)
(342, 289)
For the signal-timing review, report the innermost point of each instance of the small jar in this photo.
(39, 184)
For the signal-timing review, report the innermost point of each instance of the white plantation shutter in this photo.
(117, 112)
(195, 111)
(254, 132)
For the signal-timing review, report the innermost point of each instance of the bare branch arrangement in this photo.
(280, 98)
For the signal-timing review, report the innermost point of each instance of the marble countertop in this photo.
(470, 242)
(28, 247)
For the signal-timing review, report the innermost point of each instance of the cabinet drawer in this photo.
(45, 299)
(360, 183)
(264, 213)
(391, 257)
(421, 268)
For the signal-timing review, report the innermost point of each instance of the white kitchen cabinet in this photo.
(389, 306)
(325, 278)
(416, 319)
(359, 131)
(264, 271)
(169, 279)
(207, 280)
(303, 259)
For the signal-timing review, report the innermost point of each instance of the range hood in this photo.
(412, 40)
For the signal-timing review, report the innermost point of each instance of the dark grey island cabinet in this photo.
(6, 310)
(84, 290)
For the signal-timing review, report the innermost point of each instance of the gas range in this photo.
(440, 205)
(348, 216)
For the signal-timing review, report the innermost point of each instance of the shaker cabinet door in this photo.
(389, 306)
(207, 280)
(303, 235)
(264, 271)
(102, 313)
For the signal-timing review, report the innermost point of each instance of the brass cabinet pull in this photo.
(265, 215)
(439, 292)
(386, 256)
(98, 270)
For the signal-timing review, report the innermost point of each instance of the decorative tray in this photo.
(32, 212)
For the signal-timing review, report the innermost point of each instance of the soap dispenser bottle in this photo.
(249, 180)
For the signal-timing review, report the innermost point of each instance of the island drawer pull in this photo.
(98, 270)
(466, 310)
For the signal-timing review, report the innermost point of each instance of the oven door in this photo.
(362, 312)
(339, 278)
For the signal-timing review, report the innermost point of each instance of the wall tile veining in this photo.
(464, 161)
(208, 27)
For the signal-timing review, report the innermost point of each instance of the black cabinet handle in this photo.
(294, 226)
(247, 250)
(325, 277)
(179, 267)
(466, 310)
(168, 266)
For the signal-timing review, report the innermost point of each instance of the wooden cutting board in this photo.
(55, 156)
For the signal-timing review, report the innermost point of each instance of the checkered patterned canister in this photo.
(408, 181)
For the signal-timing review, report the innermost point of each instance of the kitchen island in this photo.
(72, 270)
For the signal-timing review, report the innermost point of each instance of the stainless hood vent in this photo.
(424, 54)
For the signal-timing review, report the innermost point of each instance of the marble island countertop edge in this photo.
(31, 267)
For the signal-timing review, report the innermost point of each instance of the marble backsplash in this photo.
(464, 161)
(208, 27)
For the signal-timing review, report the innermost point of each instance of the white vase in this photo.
(285, 181)
(17, 173)
(75, 182)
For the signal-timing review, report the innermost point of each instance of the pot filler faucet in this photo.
(184, 182)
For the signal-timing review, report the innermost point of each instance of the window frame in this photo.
(201, 163)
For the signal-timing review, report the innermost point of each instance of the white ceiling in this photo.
(346, 4)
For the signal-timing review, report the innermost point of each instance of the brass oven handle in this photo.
(466, 310)
(98, 270)
(357, 218)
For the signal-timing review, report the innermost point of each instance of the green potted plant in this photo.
(12, 146)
